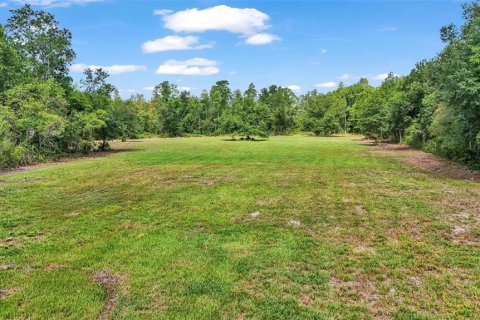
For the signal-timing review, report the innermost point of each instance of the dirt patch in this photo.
(425, 161)
(4, 293)
(10, 242)
(54, 267)
(359, 209)
(7, 266)
(362, 290)
(109, 283)
(416, 281)
(38, 238)
(305, 300)
(12, 170)
(73, 214)
(364, 249)
(267, 202)
(365, 291)
(215, 180)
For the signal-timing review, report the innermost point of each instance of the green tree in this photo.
(12, 65)
(322, 114)
(35, 113)
(281, 103)
(170, 106)
(246, 117)
(37, 36)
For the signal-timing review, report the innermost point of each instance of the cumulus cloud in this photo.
(149, 88)
(55, 3)
(191, 67)
(323, 51)
(247, 22)
(113, 69)
(261, 38)
(295, 88)
(3, 4)
(326, 85)
(241, 21)
(171, 43)
(344, 77)
(383, 76)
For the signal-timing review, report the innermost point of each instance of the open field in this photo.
(165, 230)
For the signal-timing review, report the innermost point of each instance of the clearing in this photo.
(203, 228)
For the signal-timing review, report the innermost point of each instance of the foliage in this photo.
(281, 103)
(34, 113)
(323, 114)
(43, 115)
(12, 64)
(246, 116)
(37, 37)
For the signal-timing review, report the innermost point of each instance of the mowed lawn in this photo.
(164, 230)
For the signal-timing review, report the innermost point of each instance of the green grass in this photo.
(171, 218)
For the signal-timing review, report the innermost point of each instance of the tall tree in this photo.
(281, 102)
(37, 36)
(12, 64)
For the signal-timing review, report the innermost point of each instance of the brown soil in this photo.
(4, 293)
(362, 291)
(425, 161)
(109, 283)
(10, 242)
(7, 266)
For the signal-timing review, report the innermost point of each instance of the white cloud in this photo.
(191, 67)
(344, 77)
(246, 21)
(56, 3)
(171, 43)
(113, 69)
(295, 88)
(323, 51)
(326, 85)
(383, 76)
(162, 12)
(261, 38)
(3, 4)
(149, 88)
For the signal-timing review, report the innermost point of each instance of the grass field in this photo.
(164, 230)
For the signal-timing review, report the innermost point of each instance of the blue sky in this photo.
(303, 44)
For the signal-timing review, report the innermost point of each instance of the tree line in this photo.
(43, 114)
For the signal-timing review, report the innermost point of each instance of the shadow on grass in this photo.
(95, 154)
(426, 161)
(67, 158)
(244, 140)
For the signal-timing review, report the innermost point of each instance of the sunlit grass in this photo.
(171, 220)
